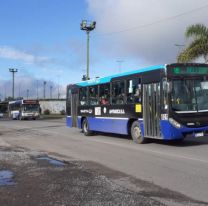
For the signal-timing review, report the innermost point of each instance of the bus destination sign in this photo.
(190, 70)
(30, 101)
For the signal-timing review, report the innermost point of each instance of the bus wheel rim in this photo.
(85, 127)
(137, 132)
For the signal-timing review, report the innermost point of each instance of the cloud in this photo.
(34, 86)
(15, 54)
(145, 34)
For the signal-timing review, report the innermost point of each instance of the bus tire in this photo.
(85, 128)
(136, 133)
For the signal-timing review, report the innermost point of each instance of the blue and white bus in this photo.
(24, 109)
(167, 102)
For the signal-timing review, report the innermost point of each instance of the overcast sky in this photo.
(44, 41)
(148, 29)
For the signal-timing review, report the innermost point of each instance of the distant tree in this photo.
(198, 47)
(17, 98)
(11, 99)
(8, 99)
(46, 112)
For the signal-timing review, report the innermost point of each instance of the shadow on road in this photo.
(188, 142)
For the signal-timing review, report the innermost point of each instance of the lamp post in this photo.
(19, 90)
(51, 87)
(37, 89)
(44, 86)
(28, 93)
(13, 71)
(179, 46)
(88, 27)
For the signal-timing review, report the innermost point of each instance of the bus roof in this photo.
(15, 101)
(23, 101)
(107, 79)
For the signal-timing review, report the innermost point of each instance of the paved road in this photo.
(158, 167)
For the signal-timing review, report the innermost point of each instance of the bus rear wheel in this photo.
(136, 133)
(85, 128)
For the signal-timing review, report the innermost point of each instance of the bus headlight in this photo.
(175, 123)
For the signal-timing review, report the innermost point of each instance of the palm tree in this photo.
(198, 33)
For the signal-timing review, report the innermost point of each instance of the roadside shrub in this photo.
(62, 112)
(46, 112)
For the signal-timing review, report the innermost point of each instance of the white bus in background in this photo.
(24, 109)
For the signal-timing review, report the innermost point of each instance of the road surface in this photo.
(174, 174)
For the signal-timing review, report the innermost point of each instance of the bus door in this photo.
(74, 105)
(151, 110)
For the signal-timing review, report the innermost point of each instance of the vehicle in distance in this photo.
(24, 109)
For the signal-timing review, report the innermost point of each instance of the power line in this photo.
(155, 22)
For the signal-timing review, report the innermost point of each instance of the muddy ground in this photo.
(40, 182)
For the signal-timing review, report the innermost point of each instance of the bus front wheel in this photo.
(136, 133)
(85, 128)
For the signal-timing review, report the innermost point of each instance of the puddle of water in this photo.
(52, 161)
(6, 178)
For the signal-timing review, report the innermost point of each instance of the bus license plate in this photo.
(199, 134)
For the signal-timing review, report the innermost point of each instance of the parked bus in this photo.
(167, 102)
(24, 109)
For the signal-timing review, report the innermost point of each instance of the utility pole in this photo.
(28, 93)
(13, 71)
(51, 87)
(19, 90)
(179, 46)
(5, 92)
(88, 27)
(58, 87)
(44, 87)
(58, 92)
(37, 89)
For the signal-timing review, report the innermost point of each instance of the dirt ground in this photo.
(41, 182)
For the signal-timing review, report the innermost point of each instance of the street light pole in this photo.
(27, 93)
(51, 87)
(37, 90)
(179, 46)
(44, 85)
(19, 90)
(88, 27)
(13, 71)
(88, 54)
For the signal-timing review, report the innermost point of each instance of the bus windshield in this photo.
(190, 95)
(31, 107)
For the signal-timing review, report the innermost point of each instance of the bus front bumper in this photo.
(169, 132)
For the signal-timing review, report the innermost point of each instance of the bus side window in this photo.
(134, 92)
(104, 94)
(83, 96)
(118, 92)
(93, 95)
